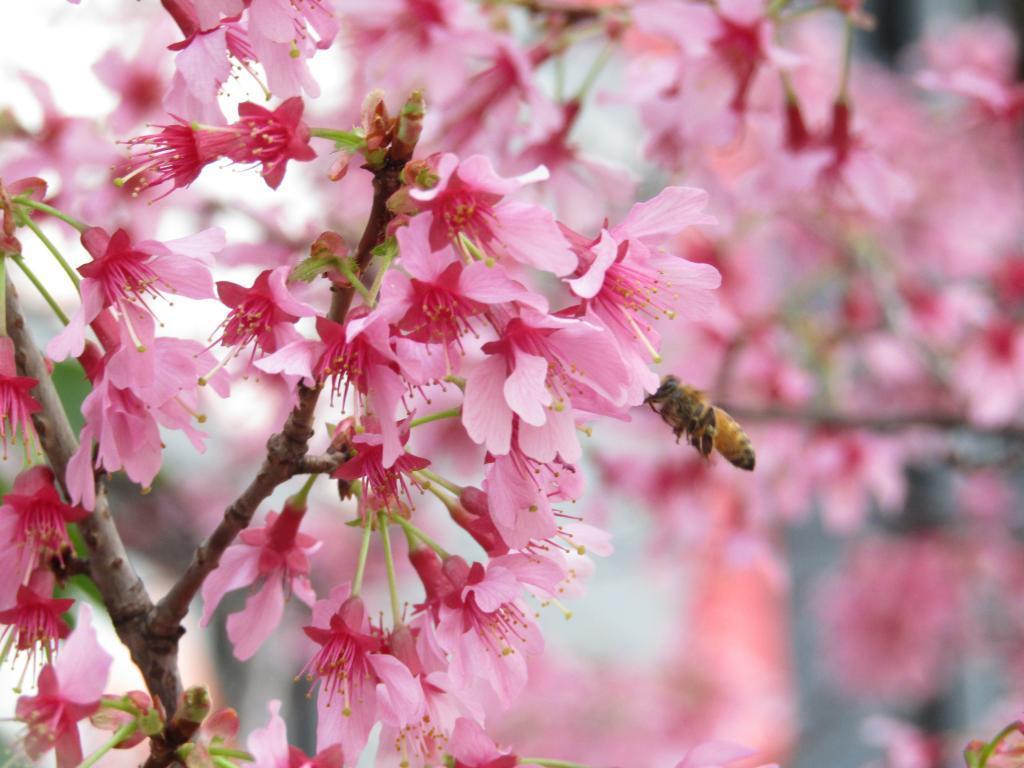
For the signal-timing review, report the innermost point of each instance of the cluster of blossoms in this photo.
(461, 365)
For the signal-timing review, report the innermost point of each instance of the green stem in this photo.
(991, 747)
(299, 498)
(119, 705)
(775, 7)
(71, 220)
(451, 413)
(237, 754)
(345, 266)
(120, 735)
(595, 69)
(378, 279)
(389, 563)
(844, 83)
(364, 550)
(412, 530)
(41, 288)
(548, 763)
(349, 140)
(27, 221)
(444, 483)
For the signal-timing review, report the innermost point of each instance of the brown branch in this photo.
(124, 594)
(286, 451)
(894, 423)
(286, 457)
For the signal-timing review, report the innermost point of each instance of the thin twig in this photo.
(881, 423)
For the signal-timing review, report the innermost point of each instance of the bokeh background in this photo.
(855, 601)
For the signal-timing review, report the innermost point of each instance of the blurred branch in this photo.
(893, 423)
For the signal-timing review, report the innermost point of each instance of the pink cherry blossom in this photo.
(125, 275)
(485, 627)
(34, 622)
(33, 526)
(263, 315)
(178, 153)
(467, 200)
(269, 746)
(348, 666)
(135, 393)
(69, 691)
(627, 281)
(437, 296)
(276, 554)
(538, 370)
(16, 402)
(358, 354)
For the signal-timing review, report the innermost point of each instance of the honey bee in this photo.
(689, 412)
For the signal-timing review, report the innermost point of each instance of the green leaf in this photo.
(309, 269)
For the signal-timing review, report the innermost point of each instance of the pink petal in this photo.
(82, 665)
(269, 745)
(555, 437)
(238, 567)
(278, 283)
(403, 692)
(668, 213)
(271, 20)
(485, 415)
(470, 745)
(248, 628)
(492, 285)
(81, 482)
(605, 251)
(296, 359)
(526, 389)
(531, 236)
(497, 588)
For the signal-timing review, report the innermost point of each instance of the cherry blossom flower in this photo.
(69, 691)
(422, 739)
(278, 554)
(16, 402)
(627, 281)
(539, 368)
(467, 201)
(384, 483)
(284, 34)
(34, 622)
(269, 746)
(439, 296)
(178, 153)
(33, 526)
(126, 275)
(263, 314)
(486, 628)
(357, 354)
(348, 667)
(135, 392)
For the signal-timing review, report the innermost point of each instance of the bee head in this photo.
(668, 386)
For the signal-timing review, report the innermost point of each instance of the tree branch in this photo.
(834, 420)
(124, 594)
(286, 457)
